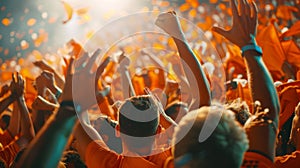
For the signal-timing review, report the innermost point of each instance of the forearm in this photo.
(26, 122)
(59, 80)
(85, 134)
(14, 124)
(261, 84)
(189, 58)
(5, 103)
(46, 148)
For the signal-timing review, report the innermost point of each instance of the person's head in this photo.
(138, 123)
(225, 147)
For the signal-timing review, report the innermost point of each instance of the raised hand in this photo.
(244, 23)
(43, 66)
(170, 24)
(17, 86)
(45, 80)
(84, 82)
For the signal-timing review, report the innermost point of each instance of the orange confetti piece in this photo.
(31, 22)
(6, 76)
(184, 7)
(52, 20)
(69, 11)
(193, 13)
(21, 61)
(165, 4)
(6, 52)
(82, 11)
(222, 6)
(6, 21)
(194, 3)
(158, 46)
(89, 34)
(37, 55)
(213, 1)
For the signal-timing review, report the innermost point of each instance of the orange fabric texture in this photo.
(97, 156)
(289, 99)
(292, 160)
(273, 53)
(292, 52)
(256, 160)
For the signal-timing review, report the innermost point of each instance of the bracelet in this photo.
(58, 93)
(253, 47)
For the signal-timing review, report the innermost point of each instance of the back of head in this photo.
(138, 120)
(225, 147)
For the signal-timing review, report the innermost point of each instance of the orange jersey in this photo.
(292, 160)
(256, 160)
(98, 156)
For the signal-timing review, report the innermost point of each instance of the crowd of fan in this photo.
(88, 117)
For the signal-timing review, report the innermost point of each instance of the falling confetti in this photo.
(69, 11)
(6, 21)
(31, 22)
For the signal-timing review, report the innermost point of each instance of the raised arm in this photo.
(170, 24)
(27, 131)
(46, 148)
(262, 137)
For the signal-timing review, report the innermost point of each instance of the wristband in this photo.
(253, 47)
(58, 93)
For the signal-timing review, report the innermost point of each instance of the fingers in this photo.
(81, 61)
(93, 59)
(101, 67)
(242, 7)
(47, 74)
(247, 8)
(221, 31)
(234, 8)
(70, 69)
(254, 11)
(13, 77)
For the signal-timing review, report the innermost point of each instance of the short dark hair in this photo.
(138, 117)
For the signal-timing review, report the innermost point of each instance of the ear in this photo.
(117, 130)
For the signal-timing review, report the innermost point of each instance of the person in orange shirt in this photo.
(138, 125)
(292, 160)
(261, 127)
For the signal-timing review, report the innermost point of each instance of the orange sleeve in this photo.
(9, 152)
(292, 160)
(288, 101)
(98, 156)
(253, 159)
(5, 138)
